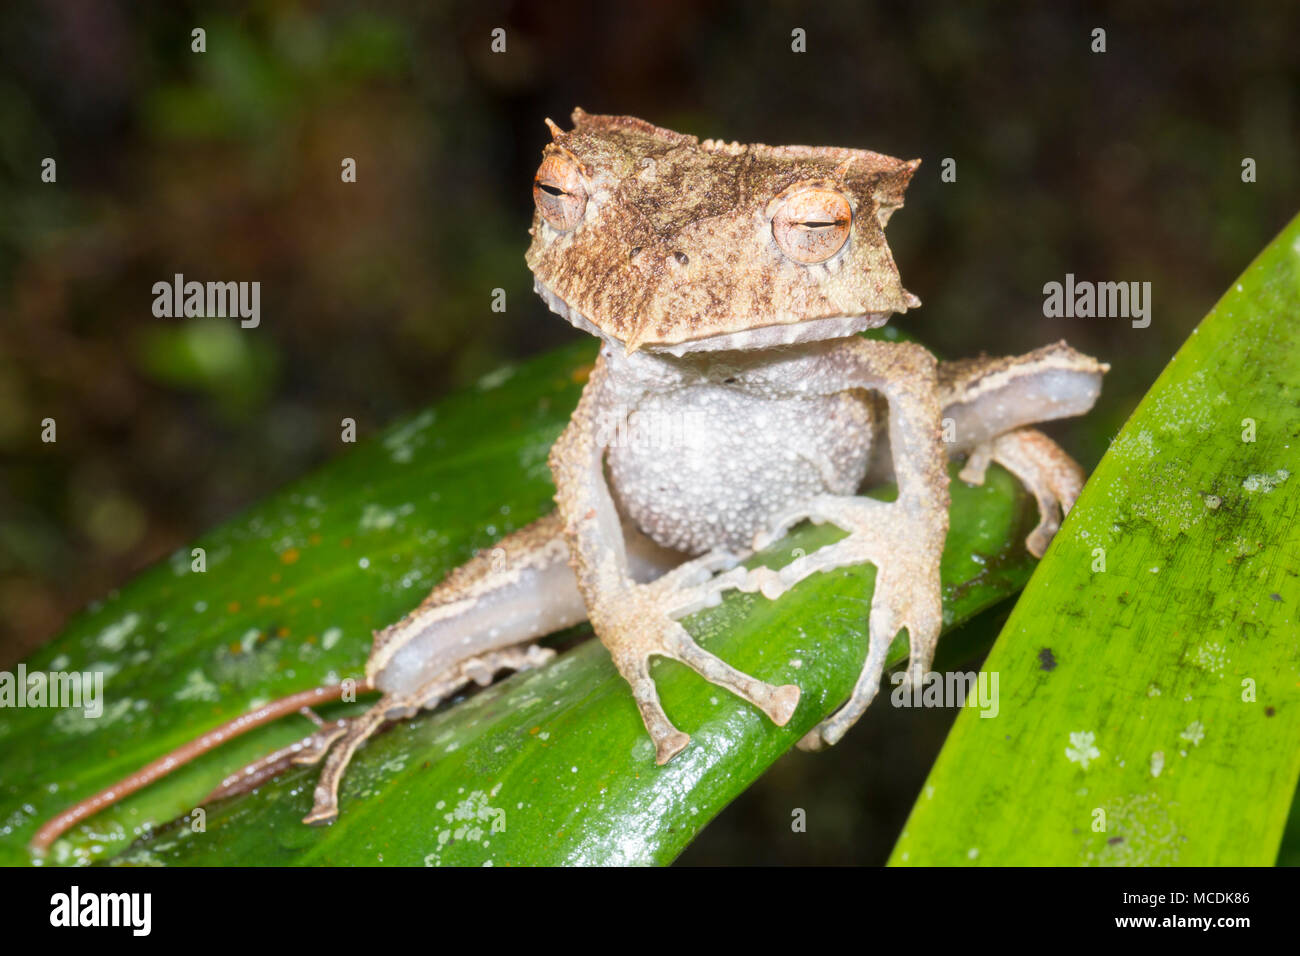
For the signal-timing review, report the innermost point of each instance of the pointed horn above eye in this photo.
(556, 132)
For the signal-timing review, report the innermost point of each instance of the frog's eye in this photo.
(812, 224)
(559, 193)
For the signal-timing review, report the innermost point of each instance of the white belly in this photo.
(707, 466)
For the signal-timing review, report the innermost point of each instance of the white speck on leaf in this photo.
(1082, 749)
(1212, 658)
(470, 821)
(197, 687)
(375, 518)
(1194, 733)
(114, 636)
(1265, 482)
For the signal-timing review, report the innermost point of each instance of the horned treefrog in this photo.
(727, 284)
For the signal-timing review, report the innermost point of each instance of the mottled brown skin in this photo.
(678, 247)
(729, 281)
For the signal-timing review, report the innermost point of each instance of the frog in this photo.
(734, 396)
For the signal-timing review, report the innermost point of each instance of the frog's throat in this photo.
(758, 336)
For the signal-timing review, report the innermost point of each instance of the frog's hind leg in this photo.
(481, 619)
(341, 738)
(353, 732)
(1042, 466)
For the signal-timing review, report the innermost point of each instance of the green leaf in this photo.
(1161, 695)
(548, 766)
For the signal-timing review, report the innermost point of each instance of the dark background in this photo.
(1119, 166)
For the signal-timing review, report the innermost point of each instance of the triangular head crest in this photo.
(656, 239)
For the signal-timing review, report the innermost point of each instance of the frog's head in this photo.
(655, 240)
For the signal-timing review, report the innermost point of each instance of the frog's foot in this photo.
(309, 750)
(344, 737)
(1042, 466)
(638, 623)
(905, 544)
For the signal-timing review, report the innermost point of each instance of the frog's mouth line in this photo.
(758, 337)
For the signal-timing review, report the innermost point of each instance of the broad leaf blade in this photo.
(1150, 712)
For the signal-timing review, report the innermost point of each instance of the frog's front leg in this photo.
(637, 621)
(989, 400)
(903, 538)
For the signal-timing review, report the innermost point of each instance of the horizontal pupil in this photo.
(552, 190)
